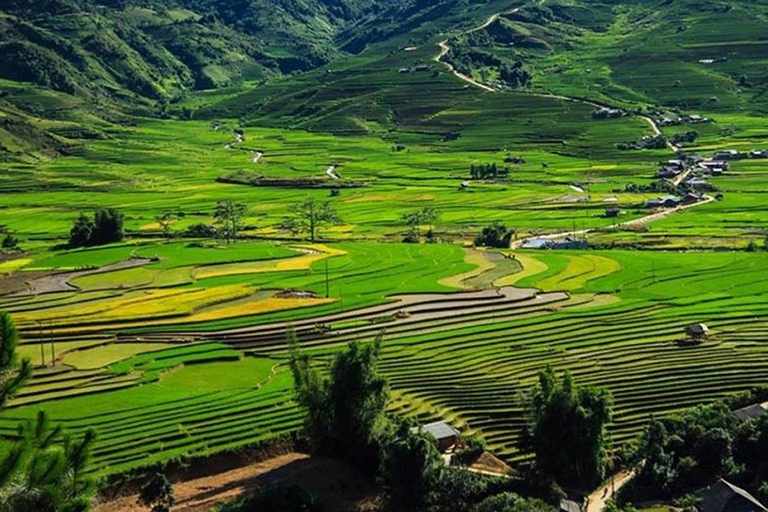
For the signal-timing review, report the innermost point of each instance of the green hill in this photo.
(337, 65)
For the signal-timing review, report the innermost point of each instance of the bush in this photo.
(201, 230)
(105, 228)
(495, 235)
(473, 448)
(511, 502)
(10, 242)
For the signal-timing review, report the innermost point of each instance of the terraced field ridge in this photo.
(615, 319)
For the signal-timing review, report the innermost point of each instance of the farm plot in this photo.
(620, 330)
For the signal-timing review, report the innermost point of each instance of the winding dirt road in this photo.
(61, 282)
(444, 49)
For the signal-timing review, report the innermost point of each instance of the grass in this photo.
(617, 327)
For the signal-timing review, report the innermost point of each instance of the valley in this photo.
(363, 149)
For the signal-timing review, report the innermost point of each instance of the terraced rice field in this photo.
(613, 319)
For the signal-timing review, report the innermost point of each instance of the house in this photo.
(537, 243)
(730, 154)
(751, 411)
(759, 154)
(691, 198)
(725, 497)
(612, 211)
(422, 67)
(447, 437)
(569, 243)
(697, 331)
(698, 183)
(668, 172)
(404, 70)
(663, 202)
(654, 203)
(676, 164)
(714, 167)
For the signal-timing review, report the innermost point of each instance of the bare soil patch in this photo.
(336, 485)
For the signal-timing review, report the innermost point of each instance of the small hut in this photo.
(697, 332)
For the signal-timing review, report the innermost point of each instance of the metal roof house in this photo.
(725, 497)
(537, 243)
(446, 435)
(751, 411)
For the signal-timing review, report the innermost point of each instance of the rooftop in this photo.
(438, 430)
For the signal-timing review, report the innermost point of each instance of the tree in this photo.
(157, 493)
(566, 429)
(309, 216)
(345, 411)
(414, 220)
(81, 232)
(10, 242)
(166, 220)
(43, 470)
(411, 466)
(13, 373)
(228, 216)
(495, 235)
(108, 226)
(49, 470)
(511, 502)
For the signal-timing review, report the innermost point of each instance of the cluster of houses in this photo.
(608, 113)
(682, 119)
(567, 242)
(418, 67)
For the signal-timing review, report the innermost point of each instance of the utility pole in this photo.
(327, 281)
(42, 341)
(53, 349)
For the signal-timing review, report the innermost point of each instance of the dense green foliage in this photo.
(694, 448)
(411, 467)
(105, 228)
(496, 235)
(346, 410)
(157, 493)
(567, 429)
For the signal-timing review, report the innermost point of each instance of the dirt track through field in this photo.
(61, 282)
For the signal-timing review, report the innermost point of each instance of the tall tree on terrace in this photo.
(309, 216)
(228, 217)
(166, 220)
(567, 429)
(345, 411)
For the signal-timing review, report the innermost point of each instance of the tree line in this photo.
(347, 418)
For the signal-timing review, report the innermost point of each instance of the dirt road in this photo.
(599, 497)
(60, 282)
(628, 224)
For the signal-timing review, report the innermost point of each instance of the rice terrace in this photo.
(494, 189)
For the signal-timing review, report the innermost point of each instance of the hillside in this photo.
(654, 56)
(691, 55)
